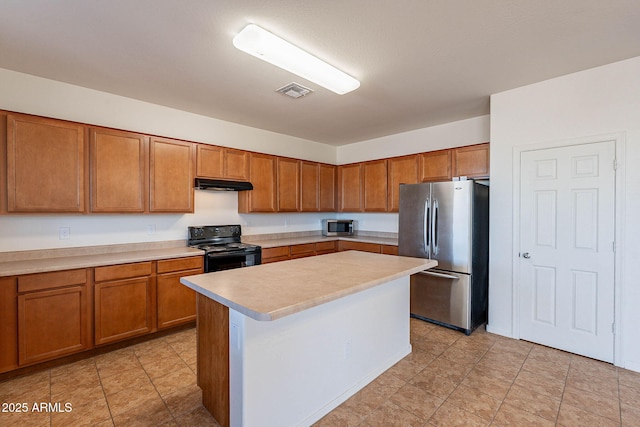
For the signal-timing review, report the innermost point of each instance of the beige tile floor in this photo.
(449, 380)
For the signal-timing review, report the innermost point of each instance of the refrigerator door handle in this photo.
(444, 276)
(434, 227)
(427, 224)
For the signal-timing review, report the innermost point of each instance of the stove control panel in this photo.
(214, 231)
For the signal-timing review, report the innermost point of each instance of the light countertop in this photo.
(271, 291)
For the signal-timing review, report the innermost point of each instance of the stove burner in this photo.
(223, 248)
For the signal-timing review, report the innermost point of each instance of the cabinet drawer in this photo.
(179, 264)
(359, 246)
(123, 271)
(326, 246)
(56, 279)
(389, 249)
(303, 249)
(280, 251)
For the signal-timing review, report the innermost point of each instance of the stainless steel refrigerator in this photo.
(449, 222)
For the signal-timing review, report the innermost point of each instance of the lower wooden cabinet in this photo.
(8, 324)
(176, 303)
(348, 245)
(326, 247)
(124, 301)
(280, 253)
(53, 315)
(303, 250)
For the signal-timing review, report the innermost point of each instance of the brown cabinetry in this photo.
(176, 303)
(309, 186)
(46, 165)
(375, 186)
(171, 173)
(119, 171)
(222, 163)
(350, 188)
(288, 177)
(53, 315)
(326, 247)
(279, 253)
(262, 174)
(328, 186)
(302, 250)
(471, 161)
(347, 245)
(8, 324)
(389, 249)
(435, 166)
(402, 170)
(124, 302)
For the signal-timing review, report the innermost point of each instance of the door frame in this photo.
(619, 139)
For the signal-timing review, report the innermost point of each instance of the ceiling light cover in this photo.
(271, 48)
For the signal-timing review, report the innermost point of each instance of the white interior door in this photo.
(567, 231)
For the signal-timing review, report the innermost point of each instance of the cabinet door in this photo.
(435, 166)
(8, 324)
(123, 309)
(288, 185)
(389, 249)
(263, 177)
(350, 188)
(53, 323)
(171, 175)
(119, 171)
(46, 165)
(176, 302)
(280, 253)
(471, 161)
(402, 170)
(236, 164)
(326, 247)
(375, 186)
(302, 250)
(309, 186)
(347, 245)
(209, 161)
(327, 188)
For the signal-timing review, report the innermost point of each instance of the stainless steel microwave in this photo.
(337, 227)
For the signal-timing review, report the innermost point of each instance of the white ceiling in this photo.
(421, 62)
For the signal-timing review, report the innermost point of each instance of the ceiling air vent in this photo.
(294, 90)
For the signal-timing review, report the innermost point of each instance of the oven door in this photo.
(228, 261)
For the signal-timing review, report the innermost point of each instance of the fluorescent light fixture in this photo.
(271, 48)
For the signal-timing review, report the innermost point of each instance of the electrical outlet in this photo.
(151, 229)
(65, 233)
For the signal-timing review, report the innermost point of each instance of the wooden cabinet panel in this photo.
(263, 177)
(123, 309)
(176, 302)
(435, 166)
(471, 161)
(327, 197)
(179, 264)
(51, 280)
(171, 167)
(46, 165)
(3, 162)
(389, 249)
(303, 250)
(53, 323)
(236, 164)
(402, 170)
(375, 186)
(288, 185)
(346, 245)
(326, 247)
(123, 271)
(276, 254)
(350, 188)
(119, 171)
(209, 161)
(309, 186)
(8, 324)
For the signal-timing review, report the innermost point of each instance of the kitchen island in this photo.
(285, 343)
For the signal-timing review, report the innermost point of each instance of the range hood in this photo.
(222, 185)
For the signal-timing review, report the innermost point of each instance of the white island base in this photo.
(310, 356)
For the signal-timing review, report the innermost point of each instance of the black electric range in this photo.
(223, 248)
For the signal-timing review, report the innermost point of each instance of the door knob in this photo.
(526, 255)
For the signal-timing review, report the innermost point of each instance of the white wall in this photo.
(599, 101)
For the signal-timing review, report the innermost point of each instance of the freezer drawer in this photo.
(443, 297)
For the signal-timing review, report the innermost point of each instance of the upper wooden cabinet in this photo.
(350, 188)
(288, 185)
(328, 186)
(222, 163)
(262, 174)
(171, 175)
(401, 170)
(46, 165)
(309, 186)
(471, 161)
(375, 185)
(435, 166)
(119, 171)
